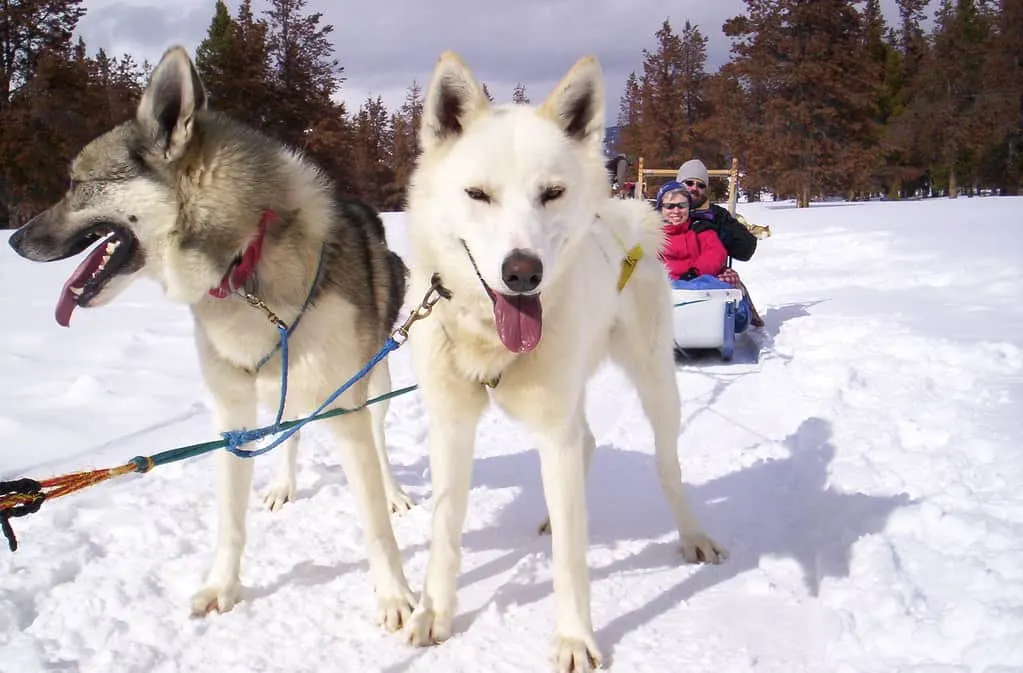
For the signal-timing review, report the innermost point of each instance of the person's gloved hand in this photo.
(690, 274)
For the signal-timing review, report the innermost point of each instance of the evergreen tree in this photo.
(733, 121)
(233, 62)
(665, 113)
(1004, 74)
(29, 30)
(904, 170)
(699, 128)
(946, 111)
(630, 119)
(662, 93)
(816, 133)
(371, 153)
(404, 128)
(213, 56)
(305, 74)
(35, 55)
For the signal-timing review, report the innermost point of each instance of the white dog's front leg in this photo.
(234, 395)
(454, 413)
(563, 467)
(648, 365)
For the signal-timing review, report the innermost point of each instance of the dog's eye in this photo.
(477, 194)
(551, 193)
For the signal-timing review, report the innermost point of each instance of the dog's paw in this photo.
(575, 655)
(427, 627)
(215, 598)
(279, 493)
(545, 527)
(399, 501)
(394, 612)
(699, 548)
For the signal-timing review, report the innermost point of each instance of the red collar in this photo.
(242, 270)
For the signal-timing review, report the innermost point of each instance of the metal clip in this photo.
(261, 305)
(425, 308)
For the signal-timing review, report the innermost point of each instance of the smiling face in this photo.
(510, 189)
(675, 207)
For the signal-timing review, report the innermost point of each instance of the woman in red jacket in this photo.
(686, 254)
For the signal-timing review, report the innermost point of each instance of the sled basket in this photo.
(707, 314)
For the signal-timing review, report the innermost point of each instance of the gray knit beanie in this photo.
(693, 170)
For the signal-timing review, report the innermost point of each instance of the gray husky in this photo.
(212, 210)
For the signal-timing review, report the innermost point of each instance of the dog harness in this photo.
(629, 262)
(242, 268)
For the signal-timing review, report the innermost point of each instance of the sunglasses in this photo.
(673, 206)
(690, 183)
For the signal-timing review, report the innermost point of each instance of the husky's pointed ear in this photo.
(453, 98)
(577, 102)
(168, 105)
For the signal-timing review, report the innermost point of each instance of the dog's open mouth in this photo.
(519, 319)
(108, 259)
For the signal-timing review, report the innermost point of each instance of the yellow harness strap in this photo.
(632, 257)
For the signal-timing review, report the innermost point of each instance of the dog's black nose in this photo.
(522, 271)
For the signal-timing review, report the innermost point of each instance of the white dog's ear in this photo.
(577, 102)
(453, 98)
(167, 108)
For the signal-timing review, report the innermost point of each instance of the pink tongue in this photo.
(67, 301)
(518, 319)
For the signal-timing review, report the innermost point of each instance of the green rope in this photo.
(193, 450)
(25, 496)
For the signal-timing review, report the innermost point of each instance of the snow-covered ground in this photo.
(861, 459)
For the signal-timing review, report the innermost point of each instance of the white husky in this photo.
(508, 207)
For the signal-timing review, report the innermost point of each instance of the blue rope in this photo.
(236, 438)
(298, 318)
(284, 373)
(284, 332)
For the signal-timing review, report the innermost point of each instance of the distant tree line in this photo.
(824, 99)
(819, 98)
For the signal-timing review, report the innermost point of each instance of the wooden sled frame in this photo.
(731, 173)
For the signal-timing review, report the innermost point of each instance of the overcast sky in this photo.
(385, 45)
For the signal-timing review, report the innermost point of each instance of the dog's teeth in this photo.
(111, 247)
(77, 291)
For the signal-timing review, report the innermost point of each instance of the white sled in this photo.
(705, 318)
